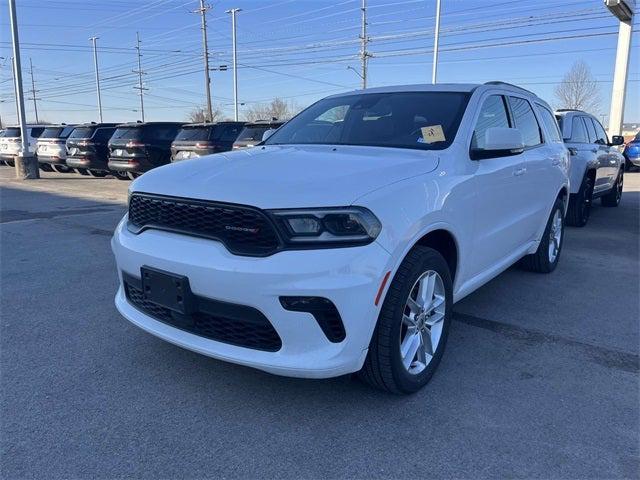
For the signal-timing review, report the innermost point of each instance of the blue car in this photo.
(632, 153)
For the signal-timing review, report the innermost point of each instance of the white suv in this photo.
(597, 167)
(341, 242)
(10, 142)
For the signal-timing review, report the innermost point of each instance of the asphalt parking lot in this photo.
(540, 377)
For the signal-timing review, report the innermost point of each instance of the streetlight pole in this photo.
(623, 10)
(364, 40)
(95, 64)
(436, 38)
(26, 163)
(233, 12)
(205, 52)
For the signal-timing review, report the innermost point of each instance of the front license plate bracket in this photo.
(167, 289)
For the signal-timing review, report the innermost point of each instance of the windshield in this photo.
(51, 132)
(418, 120)
(193, 133)
(82, 132)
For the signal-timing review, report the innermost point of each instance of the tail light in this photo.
(134, 144)
(84, 143)
(204, 145)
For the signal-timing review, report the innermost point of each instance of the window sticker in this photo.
(432, 134)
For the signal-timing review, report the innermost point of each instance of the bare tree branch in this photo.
(277, 108)
(199, 115)
(579, 89)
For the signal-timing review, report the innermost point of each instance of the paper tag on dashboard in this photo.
(432, 134)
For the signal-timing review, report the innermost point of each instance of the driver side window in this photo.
(492, 114)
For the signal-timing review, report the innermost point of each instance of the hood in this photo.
(288, 176)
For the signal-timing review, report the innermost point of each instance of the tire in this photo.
(133, 175)
(543, 261)
(45, 167)
(97, 173)
(82, 171)
(580, 204)
(384, 367)
(11, 163)
(612, 199)
(120, 175)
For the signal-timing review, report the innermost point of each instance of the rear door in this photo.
(598, 158)
(608, 156)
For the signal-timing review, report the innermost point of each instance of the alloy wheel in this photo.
(422, 322)
(555, 236)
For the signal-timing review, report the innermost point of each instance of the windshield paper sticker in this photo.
(432, 134)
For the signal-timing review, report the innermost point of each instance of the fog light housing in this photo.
(323, 310)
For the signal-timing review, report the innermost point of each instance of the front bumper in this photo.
(634, 160)
(349, 277)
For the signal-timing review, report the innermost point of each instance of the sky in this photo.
(298, 50)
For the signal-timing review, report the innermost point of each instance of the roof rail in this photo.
(497, 82)
(569, 110)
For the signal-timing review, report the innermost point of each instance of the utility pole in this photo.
(364, 40)
(205, 52)
(140, 88)
(33, 92)
(623, 10)
(95, 64)
(26, 163)
(233, 12)
(436, 38)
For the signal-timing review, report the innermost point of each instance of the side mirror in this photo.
(268, 133)
(499, 142)
(616, 140)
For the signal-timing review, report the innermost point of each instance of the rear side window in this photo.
(601, 135)
(12, 132)
(492, 114)
(228, 133)
(550, 124)
(36, 132)
(252, 133)
(525, 121)
(66, 132)
(103, 135)
(578, 131)
(162, 133)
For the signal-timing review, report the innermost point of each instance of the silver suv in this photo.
(597, 167)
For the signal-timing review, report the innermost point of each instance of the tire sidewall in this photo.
(407, 382)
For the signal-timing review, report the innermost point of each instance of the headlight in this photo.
(326, 226)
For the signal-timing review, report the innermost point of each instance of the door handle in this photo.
(520, 171)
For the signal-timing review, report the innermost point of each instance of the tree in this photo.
(578, 89)
(277, 108)
(199, 115)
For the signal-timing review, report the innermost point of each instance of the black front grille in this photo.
(224, 322)
(243, 230)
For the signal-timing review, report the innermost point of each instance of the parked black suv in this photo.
(253, 132)
(87, 149)
(198, 139)
(138, 147)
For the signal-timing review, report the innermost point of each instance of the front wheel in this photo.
(612, 199)
(413, 325)
(545, 260)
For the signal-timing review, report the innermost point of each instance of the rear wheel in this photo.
(612, 199)
(413, 325)
(133, 175)
(580, 204)
(82, 171)
(545, 260)
(45, 167)
(120, 175)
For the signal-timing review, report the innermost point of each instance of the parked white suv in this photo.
(10, 142)
(597, 167)
(341, 243)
